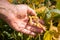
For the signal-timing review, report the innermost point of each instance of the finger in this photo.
(34, 29)
(21, 29)
(41, 21)
(31, 11)
(27, 32)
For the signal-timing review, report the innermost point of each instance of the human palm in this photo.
(17, 17)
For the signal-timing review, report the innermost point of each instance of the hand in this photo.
(17, 17)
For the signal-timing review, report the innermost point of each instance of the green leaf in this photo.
(53, 14)
(56, 13)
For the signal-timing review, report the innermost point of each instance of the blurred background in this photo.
(47, 10)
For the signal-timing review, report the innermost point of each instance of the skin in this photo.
(17, 17)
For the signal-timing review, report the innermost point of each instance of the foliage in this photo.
(47, 10)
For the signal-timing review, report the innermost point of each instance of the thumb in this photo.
(31, 11)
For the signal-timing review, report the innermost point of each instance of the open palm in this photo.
(17, 17)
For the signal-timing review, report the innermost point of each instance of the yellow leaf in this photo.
(53, 28)
(59, 27)
(34, 20)
(41, 1)
(58, 0)
(47, 36)
(10, 1)
(37, 3)
(41, 10)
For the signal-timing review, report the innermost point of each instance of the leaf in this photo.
(59, 27)
(58, 4)
(56, 13)
(55, 10)
(59, 37)
(10, 1)
(53, 28)
(53, 14)
(47, 36)
(41, 10)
